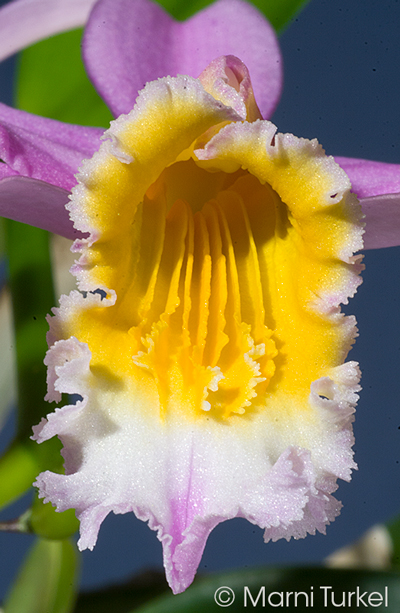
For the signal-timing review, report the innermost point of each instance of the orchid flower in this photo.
(206, 339)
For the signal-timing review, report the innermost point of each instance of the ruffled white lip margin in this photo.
(185, 480)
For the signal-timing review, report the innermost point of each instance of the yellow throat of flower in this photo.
(228, 262)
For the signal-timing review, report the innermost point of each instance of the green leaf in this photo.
(30, 281)
(46, 583)
(2, 239)
(18, 468)
(21, 464)
(123, 598)
(181, 9)
(52, 82)
(394, 531)
(32, 298)
(278, 12)
(46, 522)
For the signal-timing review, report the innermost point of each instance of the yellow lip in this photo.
(228, 262)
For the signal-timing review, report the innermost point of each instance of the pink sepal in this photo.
(370, 178)
(382, 216)
(36, 203)
(128, 43)
(43, 148)
(24, 22)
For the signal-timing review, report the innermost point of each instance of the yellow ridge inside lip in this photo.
(203, 295)
(220, 265)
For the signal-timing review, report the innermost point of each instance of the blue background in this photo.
(342, 85)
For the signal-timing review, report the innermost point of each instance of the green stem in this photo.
(19, 524)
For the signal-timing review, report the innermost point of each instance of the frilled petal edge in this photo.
(185, 480)
(120, 64)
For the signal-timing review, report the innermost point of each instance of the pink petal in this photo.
(36, 203)
(371, 178)
(382, 216)
(377, 184)
(24, 22)
(6, 171)
(130, 42)
(43, 148)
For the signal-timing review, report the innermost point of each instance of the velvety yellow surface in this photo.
(219, 266)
